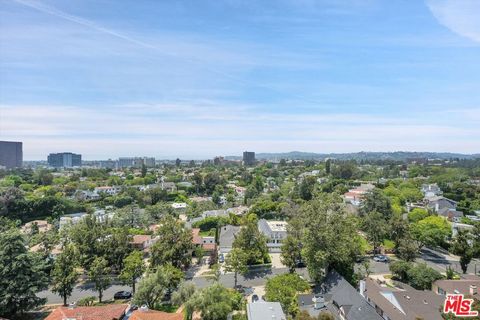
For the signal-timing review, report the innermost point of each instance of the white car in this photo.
(380, 258)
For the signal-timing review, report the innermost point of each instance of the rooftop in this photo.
(108, 312)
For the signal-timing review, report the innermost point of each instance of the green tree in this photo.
(64, 275)
(431, 231)
(417, 214)
(476, 240)
(236, 262)
(133, 268)
(461, 246)
(291, 252)
(173, 246)
(284, 288)
(144, 170)
(116, 247)
(253, 243)
(22, 275)
(328, 237)
(153, 287)
(375, 227)
(400, 269)
(407, 249)
(85, 235)
(422, 276)
(306, 188)
(214, 302)
(376, 200)
(185, 292)
(99, 274)
(328, 165)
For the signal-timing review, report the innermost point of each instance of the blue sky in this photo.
(195, 79)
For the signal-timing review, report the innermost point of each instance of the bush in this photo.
(87, 301)
(422, 276)
(400, 270)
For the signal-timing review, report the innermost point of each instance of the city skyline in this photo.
(185, 80)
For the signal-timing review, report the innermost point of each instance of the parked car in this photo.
(123, 295)
(221, 258)
(380, 258)
(255, 298)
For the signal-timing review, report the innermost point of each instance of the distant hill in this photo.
(397, 155)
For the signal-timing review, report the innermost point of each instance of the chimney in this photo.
(473, 289)
(363, 288)
(318, 302)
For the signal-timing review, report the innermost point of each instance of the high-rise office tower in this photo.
(11, 154)
(248, 158)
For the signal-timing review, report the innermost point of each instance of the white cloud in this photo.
(209, 129)
(460, 16)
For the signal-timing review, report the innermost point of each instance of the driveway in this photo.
(276, 261)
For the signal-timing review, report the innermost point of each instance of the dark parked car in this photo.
(254, 298)
(123, 295)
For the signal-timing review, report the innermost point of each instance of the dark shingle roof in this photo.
(338, 293)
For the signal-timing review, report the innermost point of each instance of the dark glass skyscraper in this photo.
(248, 158)
(11, 154)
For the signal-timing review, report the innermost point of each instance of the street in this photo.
(258, 277)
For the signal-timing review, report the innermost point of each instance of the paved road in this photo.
(252, 279)
(440, 261)
(82, 291)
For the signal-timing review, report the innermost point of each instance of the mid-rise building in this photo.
(136, 162)
(248, 158)
(11, 154)
(64, 160)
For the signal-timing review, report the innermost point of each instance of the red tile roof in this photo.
(140, 238)
(209, 246)
(196, 238)
(155, 315)
(108, 312)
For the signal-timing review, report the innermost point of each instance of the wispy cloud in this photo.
(460, 16)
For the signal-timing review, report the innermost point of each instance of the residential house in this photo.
(356, 195)
(86, 195)
(440, 203)
(144, 313)
(337, 297)
(107, 312)
(168, 186)
(109, 190)
(226, 238)
(143, 242)
(275, 231)
(42, 225)
(262, 310)
(450, 214)
(71, 219)
(206, 242)
(469, 287)
(54, 252)
(209, 214)
(240, 210)
(431, 190)
(240, 191)
(401, 303)
(179, 205)
(460, 226)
